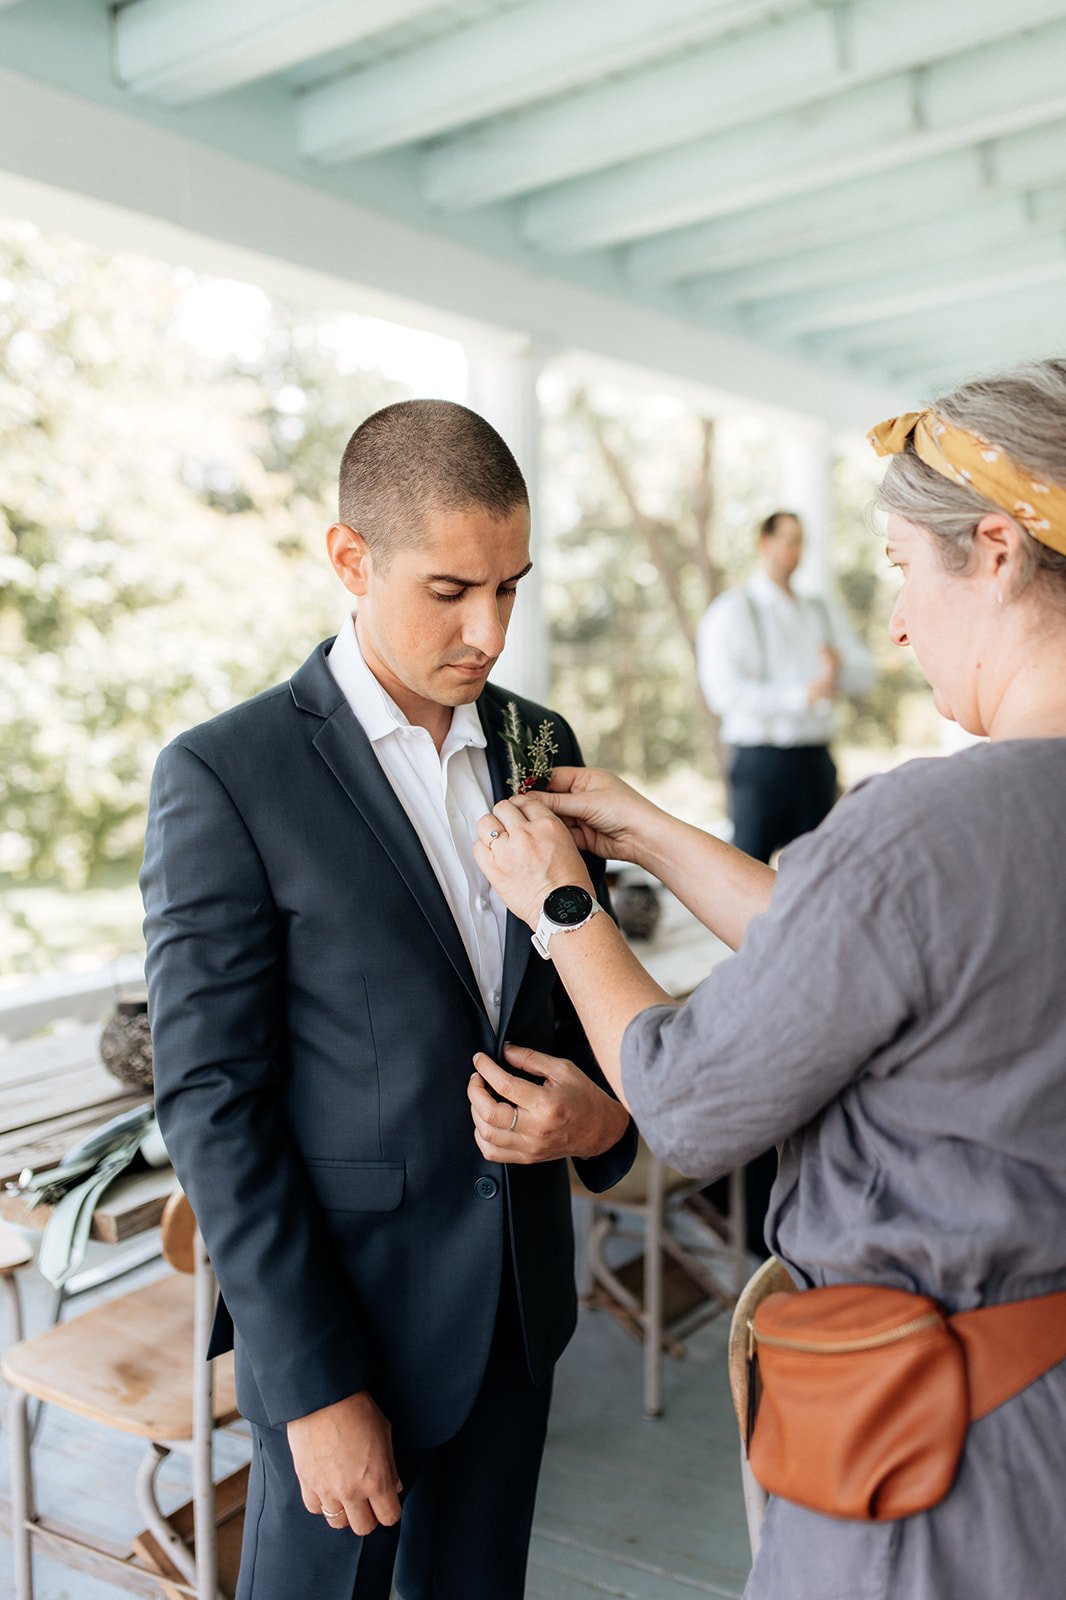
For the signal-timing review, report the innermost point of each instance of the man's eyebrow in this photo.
(474, 583)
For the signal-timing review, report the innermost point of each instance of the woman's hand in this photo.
(605, 816)
(525, 852)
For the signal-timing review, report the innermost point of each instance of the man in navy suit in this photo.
(392, 1238)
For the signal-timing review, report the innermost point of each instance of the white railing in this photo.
(66, 996)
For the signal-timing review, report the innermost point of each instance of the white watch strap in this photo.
(546, 929)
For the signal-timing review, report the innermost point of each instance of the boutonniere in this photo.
(529, 754)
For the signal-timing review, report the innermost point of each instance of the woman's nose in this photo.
(897, 628)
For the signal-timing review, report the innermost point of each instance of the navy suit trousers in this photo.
(467, 1504)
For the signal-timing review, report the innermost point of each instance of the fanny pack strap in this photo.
(1010, 1346)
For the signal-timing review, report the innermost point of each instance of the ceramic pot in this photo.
(126, 1043)
(638, 910)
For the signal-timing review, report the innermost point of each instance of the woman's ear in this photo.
(350, 556)
(997, 545)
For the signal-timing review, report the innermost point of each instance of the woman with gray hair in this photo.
(893, 1018)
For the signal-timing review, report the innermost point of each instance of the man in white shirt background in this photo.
(772, 664)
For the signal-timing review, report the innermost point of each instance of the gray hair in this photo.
(1024, 412)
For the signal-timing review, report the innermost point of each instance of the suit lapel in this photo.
(347, 752)
(516, 947)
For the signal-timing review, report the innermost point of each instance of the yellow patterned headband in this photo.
(978, 464)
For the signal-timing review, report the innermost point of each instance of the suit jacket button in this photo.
(486, 1188)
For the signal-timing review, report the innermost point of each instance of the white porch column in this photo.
(502, 386)
(806, 487)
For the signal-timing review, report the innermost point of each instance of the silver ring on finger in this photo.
(514, 1121)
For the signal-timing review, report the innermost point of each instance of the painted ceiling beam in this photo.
(932, 368)
(179, 198)
(935, 367)
(538, 49)
(792, 61)
(954, 238)
(177, 51)
(841, 212)
(970, 97)
(1002, 269)
(1027, 308)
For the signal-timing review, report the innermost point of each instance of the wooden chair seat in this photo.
(137, 1363)
(126, 1363)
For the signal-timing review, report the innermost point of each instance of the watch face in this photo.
(568, 906)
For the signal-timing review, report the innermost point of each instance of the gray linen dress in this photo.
(896, 1021)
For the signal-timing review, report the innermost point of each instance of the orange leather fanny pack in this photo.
(859, 1397)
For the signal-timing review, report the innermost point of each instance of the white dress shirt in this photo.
(758, 651)
(444, 796)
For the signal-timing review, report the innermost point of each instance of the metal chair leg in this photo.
(23, 1508)
(14, 1306)
(653, 1292)
(205, 1527)
(738, 1223)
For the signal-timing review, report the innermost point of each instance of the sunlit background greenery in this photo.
(162, 503)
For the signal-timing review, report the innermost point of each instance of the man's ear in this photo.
(351, 558)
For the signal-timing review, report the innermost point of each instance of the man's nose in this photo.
(897, 628)
(484, 629)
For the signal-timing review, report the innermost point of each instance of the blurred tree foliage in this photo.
(654, 511)
(161, 519)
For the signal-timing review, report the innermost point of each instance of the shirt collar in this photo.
(766, 591)
(375, 708)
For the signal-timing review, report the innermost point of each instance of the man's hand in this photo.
(565, 1115)
(343, 1459)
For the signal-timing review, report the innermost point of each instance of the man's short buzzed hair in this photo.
(421, 456)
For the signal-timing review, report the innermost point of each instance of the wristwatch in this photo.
(564, 910)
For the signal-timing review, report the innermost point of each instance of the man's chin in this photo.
(464, 695)
(449, 690)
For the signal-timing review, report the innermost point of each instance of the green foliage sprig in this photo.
(529, 754)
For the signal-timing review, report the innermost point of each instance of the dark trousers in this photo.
(774, 796)
(467, 1504)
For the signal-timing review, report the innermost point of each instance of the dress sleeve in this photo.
(826, 979)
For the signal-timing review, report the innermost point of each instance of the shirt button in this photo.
(496, 997)
(486, 1188)
(484, 902)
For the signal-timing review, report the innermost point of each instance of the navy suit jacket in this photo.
(314, 1015)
